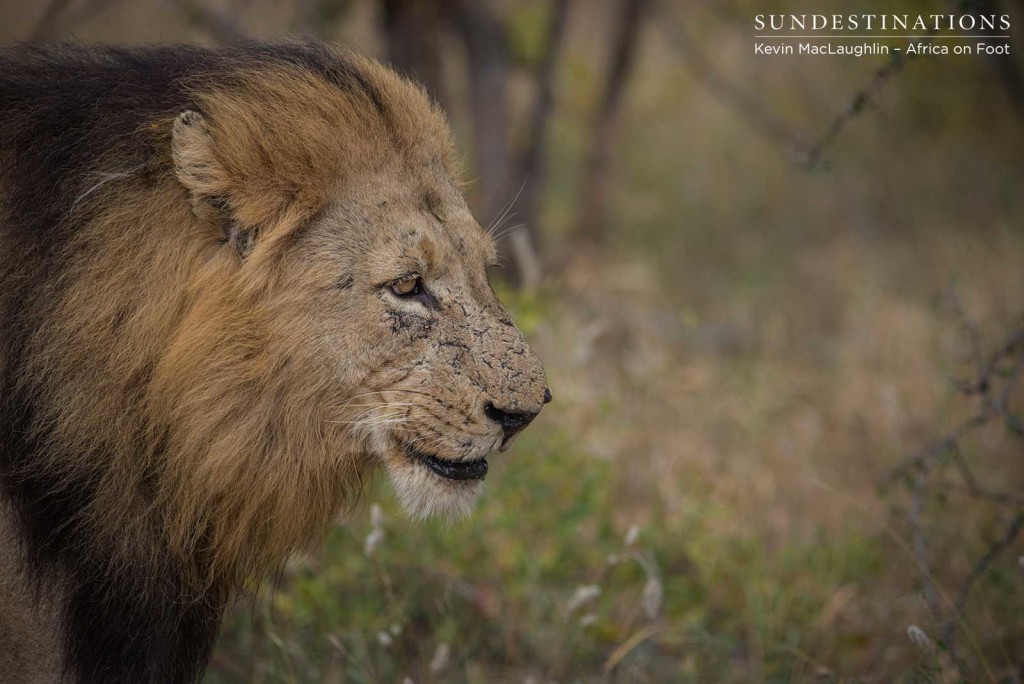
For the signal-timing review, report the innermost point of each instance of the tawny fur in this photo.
(239, 406)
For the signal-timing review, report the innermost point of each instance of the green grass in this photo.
(496, 590)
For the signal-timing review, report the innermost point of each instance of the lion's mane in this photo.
(157, 449)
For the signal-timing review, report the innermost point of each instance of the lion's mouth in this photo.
(451, 470)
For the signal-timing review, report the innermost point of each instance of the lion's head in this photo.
(372, 280)
(235, 283)
(387, 288)
(276, 291)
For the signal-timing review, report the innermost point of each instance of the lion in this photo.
(234, 283)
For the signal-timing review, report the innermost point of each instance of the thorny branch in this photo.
(760, 118)
(985, 562)
(857, 104)
(995, 378)
(702, 68)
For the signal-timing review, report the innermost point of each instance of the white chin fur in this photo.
(422, 493)
(426, 495)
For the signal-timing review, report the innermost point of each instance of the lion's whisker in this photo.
(506, 208)
(507, 231)
(367, 394)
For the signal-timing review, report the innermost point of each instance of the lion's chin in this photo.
(428, 489)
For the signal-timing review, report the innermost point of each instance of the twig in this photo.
(761, 119)
(732, 95)
(989, 374)
(948, 626)
(986, 561)
(858, 103)
(917, 494)
(994, 385)
(976, 490)
(928, 456)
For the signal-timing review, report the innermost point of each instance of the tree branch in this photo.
(533, 166)
(484, 37)
(594, 194)
(993, 385)
(730, 94)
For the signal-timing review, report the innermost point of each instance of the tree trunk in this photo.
(413, 31)
(484, 38)
(1009, 67)
(592, 225)
(534, 163)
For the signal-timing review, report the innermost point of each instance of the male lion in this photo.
(232, 283)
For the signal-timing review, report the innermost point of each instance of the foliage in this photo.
(542, 582)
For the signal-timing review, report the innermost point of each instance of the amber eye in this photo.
(407, 287)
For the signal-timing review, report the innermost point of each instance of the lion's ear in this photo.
(198, 169)
(195, 158)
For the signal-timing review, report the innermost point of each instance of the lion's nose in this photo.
(511, 421)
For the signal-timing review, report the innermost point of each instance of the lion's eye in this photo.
(407, 287)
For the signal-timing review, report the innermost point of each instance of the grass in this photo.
(496, 590)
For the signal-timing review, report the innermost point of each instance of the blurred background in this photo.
(779, 302)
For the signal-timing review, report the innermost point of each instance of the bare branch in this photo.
(985, 562)
(975, 489)
(533, 165)
(990, 375)
(808, 156)
(729, 93)
(591, 223)
(856, 106)
(485, 38)
(928, 456)
(859, 103)
(993, 385)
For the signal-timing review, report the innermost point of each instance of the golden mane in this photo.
(232, 283)
(154, 358)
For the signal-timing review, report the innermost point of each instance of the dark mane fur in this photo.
(72, 117)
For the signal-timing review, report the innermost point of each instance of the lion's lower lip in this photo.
(451, 470)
